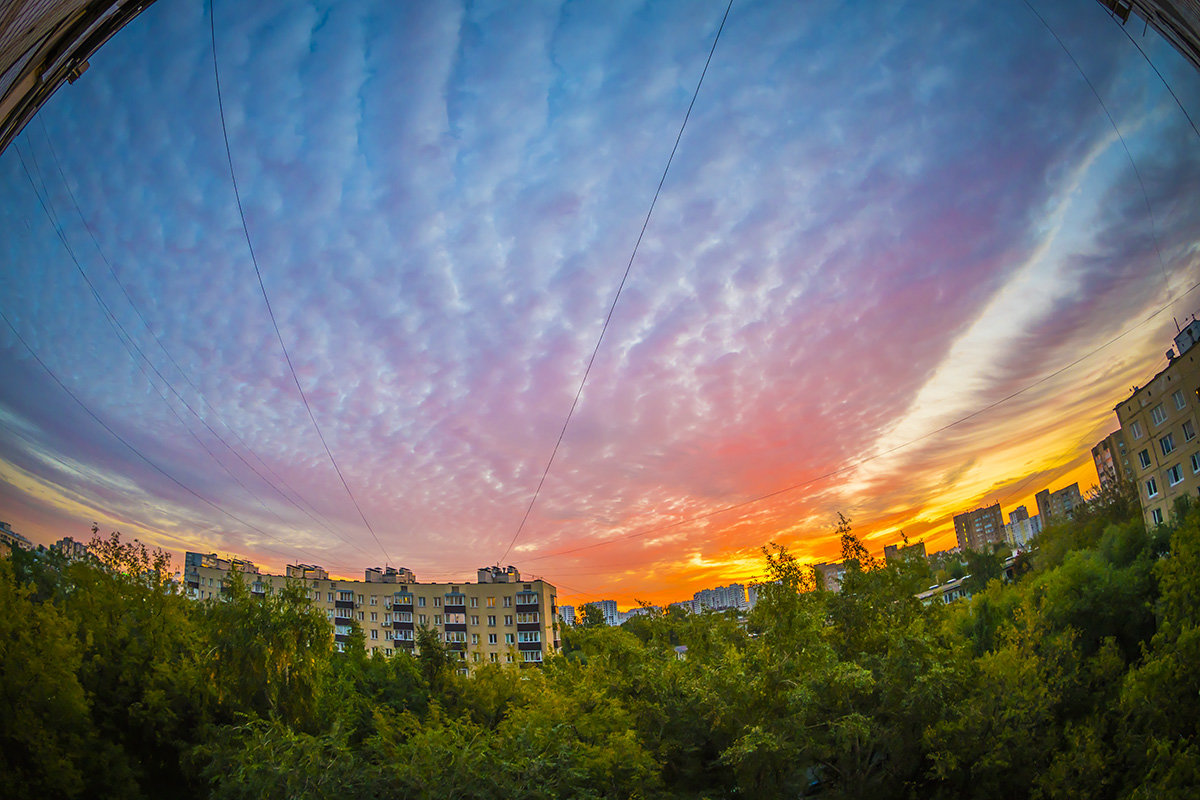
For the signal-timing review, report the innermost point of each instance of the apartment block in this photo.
(1058, 504)
(498, 619)
(896, 553)
(1158, 425)
(979, 528)
(1111, 457)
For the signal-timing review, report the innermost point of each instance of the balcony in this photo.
(523, 608)
(343, 604)
(529, 646)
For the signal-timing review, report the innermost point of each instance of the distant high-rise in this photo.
(979, 528)
(894, 553)
(1058, 504)
(1111, 457)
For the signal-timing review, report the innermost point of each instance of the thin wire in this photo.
(855, 464)
(1146, 197)
(274, 323)
(130, 447)
(111, 271)
(118, 328)
(620, 287)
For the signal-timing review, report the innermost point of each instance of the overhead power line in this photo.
(620, 287)
(153, 465)
(318, 518)
(261, 285)
(123, 337)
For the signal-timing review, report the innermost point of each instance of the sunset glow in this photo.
(901, 266)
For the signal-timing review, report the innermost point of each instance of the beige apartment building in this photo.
(498, 619)
(1158, 426)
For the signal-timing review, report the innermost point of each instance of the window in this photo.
(493, 657)
(508, 602)
(406, 616)
(508, 659)
(491, 638)
(437, 619)
(474, 619)
(1144, 459)
(1178, 398)
(387, 617)
(474, 602)
(1189, 431)
(1151, 488)
(330, 599)
(1136, 429)
(509, 638)
(1156, 515)
(456, 636)
(475, 656)
(421, 602)
(508, 619)
(374, 616)
(387, 651)
(1195, 462)
(532, 655)
(528, 616)
(345, 597)
(374, 633)
(437, 602)
(389, 635)
(491, 602)
(1174, 475)
(527, 598)
(421, 619)
(360, 616)
(360, 599)
(1158, 415)
(491, 620)
(529, 636)
(374, 600)
(1167, 444)
(474, 638)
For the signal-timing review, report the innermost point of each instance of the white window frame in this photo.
(1158, 415)
(1180, 402)
(1151, 488)
(1174, 475)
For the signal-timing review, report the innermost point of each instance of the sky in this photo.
(905, 261)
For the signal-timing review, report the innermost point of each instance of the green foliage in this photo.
(1079, 679)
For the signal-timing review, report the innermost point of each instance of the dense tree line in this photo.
(1079, 678)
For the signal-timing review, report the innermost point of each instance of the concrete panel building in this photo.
(1159, 425)
(980, 528)
(502, 619)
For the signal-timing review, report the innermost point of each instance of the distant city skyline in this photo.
(901, 266)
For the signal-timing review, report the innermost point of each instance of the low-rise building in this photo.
(505, 621)
(11, 540)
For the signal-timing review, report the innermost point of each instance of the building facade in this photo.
(1111, 457)
(980, 528)
(499, 619)
(1159, 426)
(1058, 504)
(896, 553)
(11, 540)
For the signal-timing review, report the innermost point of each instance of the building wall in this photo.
(484, 622)
(1111, 457)
(1159, 427)
(979, 528)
